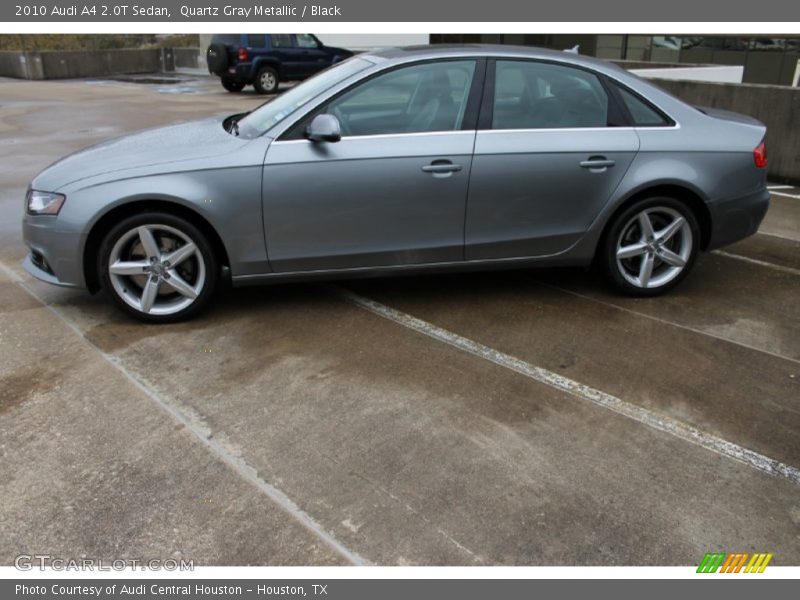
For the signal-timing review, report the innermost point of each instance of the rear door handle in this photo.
(597, 162)
(441, 167)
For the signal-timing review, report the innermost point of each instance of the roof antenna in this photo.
(574, 50)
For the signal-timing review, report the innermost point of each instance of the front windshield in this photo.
(274, 111)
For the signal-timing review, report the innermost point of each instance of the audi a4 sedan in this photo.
(407, 160)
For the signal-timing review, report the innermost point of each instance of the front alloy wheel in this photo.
(158, 267)
(652, 246)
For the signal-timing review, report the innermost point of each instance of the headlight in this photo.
(44, 203)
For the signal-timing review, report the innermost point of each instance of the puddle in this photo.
(179, 89)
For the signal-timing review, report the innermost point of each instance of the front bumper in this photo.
(55, 254)
(738, 218)
(39, 273)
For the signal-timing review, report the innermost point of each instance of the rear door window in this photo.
(538, 95)
(281, 40)
(226, 39)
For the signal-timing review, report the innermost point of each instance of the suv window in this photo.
(229, 39)
(419, 98)
(257, 40)
(304, 40)
(642, 113)
(534, 95)
(281, 40)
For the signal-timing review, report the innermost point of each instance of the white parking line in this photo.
(755, 261)
(785, 195)
(206, 438)
(778, 236)
(670, 323)
(637, 413)
(780, 187)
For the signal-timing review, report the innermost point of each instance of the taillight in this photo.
(243, 55)
(760, 155)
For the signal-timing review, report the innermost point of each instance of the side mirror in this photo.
(324, 128)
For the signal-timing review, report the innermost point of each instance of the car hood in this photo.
(170, 145)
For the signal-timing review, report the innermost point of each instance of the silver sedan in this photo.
(408, 160)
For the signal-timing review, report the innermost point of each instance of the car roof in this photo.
(411, 53)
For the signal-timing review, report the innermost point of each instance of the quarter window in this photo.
(305, 40)
(642, 114)
(420, 98)
(537, 95)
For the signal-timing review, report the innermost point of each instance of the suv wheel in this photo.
(232, 85)
(217, 58)
(158, 267)
(651, 246)
(266, 81)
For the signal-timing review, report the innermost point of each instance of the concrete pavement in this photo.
(288, 425)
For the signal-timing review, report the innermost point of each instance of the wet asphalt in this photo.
(288, 425)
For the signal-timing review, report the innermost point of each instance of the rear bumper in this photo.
(738, 218)
(241, 72)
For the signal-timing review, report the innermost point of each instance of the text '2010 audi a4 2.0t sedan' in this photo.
(405, 160)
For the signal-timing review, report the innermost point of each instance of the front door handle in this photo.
(597, 162)
(441, 167)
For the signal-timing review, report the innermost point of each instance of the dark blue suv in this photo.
(265, 59)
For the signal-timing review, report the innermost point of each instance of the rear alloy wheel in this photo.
(651, 246)
(232, 85)
(158, 267)
(266, 81)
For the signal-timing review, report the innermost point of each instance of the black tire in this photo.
(217, 58)
(211, 266)
(266, 81)
(232, 85)
(616, 270)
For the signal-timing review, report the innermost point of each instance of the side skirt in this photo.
(416, 269)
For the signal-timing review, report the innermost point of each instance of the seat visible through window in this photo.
(415, 99)
(536, 95)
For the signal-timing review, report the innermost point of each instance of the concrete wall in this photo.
(716, 74)
(79, 63)
(85, 63)
(22, 65)
(189, 58)
(778, 107)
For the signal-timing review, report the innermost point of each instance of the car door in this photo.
(287, 53)
(312, 57)
(550, 151)
(393, 190)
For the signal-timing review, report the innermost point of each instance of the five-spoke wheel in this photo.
(158, 267)
(651, 246)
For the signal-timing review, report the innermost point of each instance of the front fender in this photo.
(228, 199)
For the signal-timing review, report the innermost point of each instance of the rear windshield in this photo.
(229, 39)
